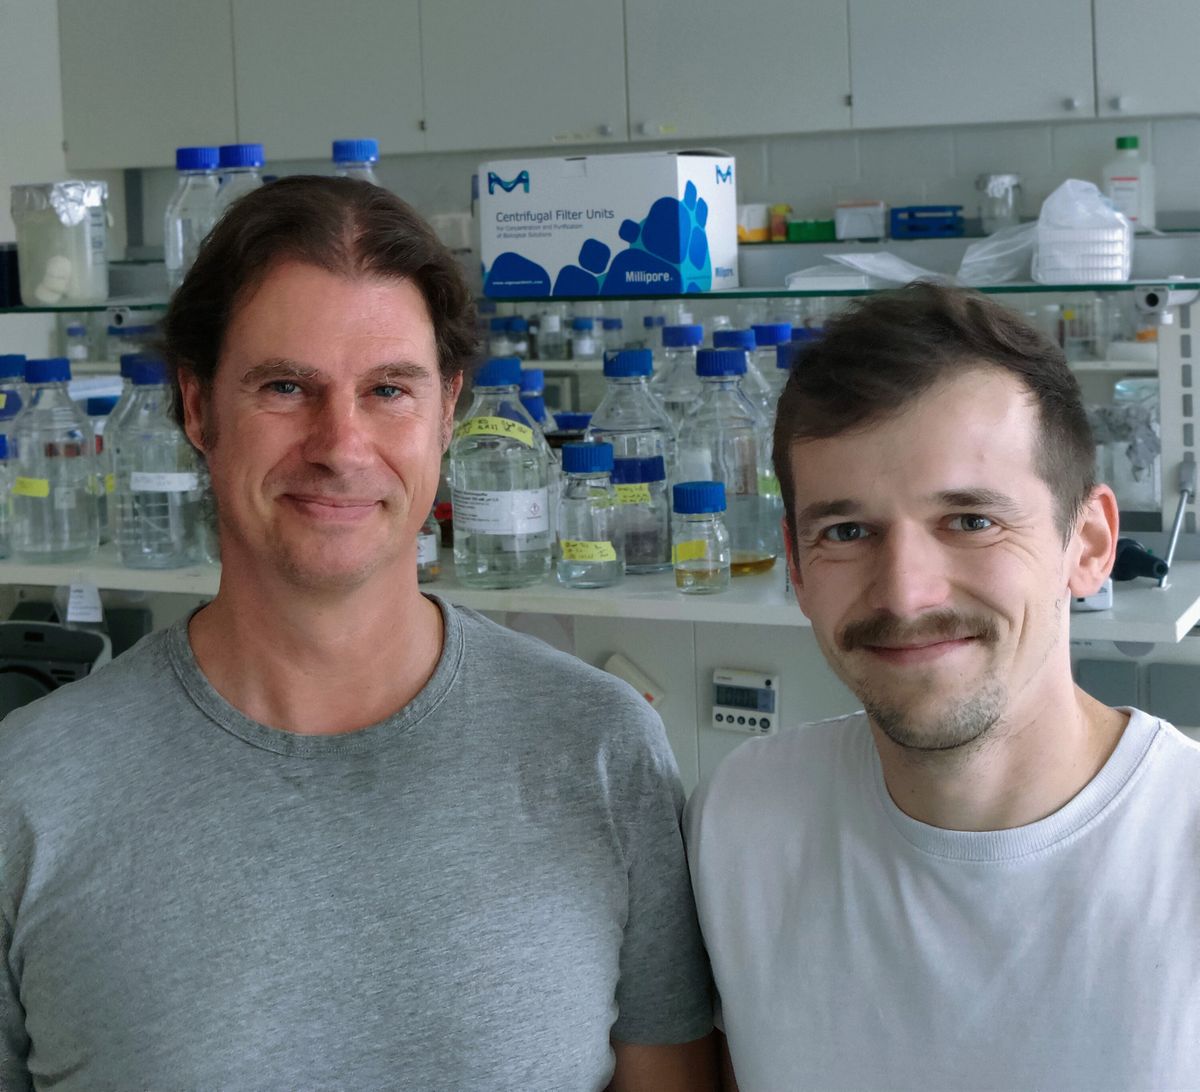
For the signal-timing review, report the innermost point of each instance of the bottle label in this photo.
(83, 604)
(496, 426)
(515, 512)
(141, 482)
(110, 483)
(32, 487)
(551, 324)
(695, 550)
(3, 399)
(1124, 193)
(633, 493)
(573, 550)
(768, 485)
(427, 549)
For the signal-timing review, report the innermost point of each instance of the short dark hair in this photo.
(887, 350)
(342, 225)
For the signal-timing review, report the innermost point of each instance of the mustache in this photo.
(937, 625)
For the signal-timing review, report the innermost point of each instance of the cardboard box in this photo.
(645, 223)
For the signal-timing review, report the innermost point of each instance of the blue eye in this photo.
(972, 522)
(844, 532)
(386, 391)
(283, 386)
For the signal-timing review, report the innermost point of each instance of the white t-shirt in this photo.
(856, 948)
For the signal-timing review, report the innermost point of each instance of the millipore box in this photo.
(646, 223)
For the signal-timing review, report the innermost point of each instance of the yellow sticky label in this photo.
(768, 485)
(588, 551)
(497, 426)
(110, 483)
(31, 487)
(3, 399)
(633, 493)
(689, 551)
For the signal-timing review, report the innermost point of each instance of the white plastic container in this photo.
(1129, 184)
(62, 242)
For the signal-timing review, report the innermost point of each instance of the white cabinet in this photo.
(707, 68)
(309, 71)
(541, 72)
(954, 62)
(142, 77)
(1146, 57)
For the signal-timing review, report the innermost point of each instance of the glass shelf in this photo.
(125, 303)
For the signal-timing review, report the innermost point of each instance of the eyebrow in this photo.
(980, 497)
(283, 368)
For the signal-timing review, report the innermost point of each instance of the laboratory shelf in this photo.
(1142, 612)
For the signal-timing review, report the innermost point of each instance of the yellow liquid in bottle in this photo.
(747, 564)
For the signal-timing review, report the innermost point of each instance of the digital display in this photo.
(745, 697)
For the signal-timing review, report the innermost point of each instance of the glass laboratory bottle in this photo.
(356, 159)
(500, 476)
(754, 384)
(768, 336)
(241, 171)
(675, 384)
(701, 549)
(629, 417)
(591, 554)
(191, 211)
(429, 537)
(644, 510)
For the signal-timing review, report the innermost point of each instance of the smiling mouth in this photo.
(333, 509)
(920, 653)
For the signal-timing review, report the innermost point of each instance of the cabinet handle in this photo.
(1120, 103)
(1071, 103)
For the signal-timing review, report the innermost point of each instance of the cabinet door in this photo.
(949, 62)
(1146, 57)
(310, 72)
(708, 68)
(143, 77)
(514, 75)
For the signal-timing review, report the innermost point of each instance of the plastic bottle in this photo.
(1129, 184)
(644, 510)
(14, 394)
(429, 537)
(675, 383)
(583, 339)
(768, 336)
(241, 171)
(76, 344)
(591, 554)
(6, 499)
(629, 417)
(54, 491)
(191, 211)
(724, 440)
(158, 500)
(99, 410)
(500, 476)
(754, 383)
(701, 551)
(356, 159)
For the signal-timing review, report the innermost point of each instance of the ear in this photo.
(793, 564)
(193, 408)
(450, 393)
(1094, 545)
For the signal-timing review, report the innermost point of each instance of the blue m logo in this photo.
(725, 175)
(495, 180)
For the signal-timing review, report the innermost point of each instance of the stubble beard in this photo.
(969, 723)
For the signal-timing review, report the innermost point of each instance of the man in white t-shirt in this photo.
(987, 879)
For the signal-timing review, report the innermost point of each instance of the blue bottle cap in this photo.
(807, 333)
(197, 159)
(587, 458)
(581, 322)
(734, 339)
(721, 362)
(241, 155)
(535, 406)
(628, 362)
(785, 353)
(518, 325)
(56, 369)
(697, 498)
(499, 371)
(499, 324)
(100, 405)
(127, 362)
(772, 333)
(356, 151)
(613, 324)
(3, 446)
(652, 468)
(533, 380)
(12, 366)
(572, 422)
(76, 329)
(651, 321)
(148, 372)
(680, 337)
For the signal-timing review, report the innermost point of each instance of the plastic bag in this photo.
(1005, 255)
(1081, 238)
(886, 267)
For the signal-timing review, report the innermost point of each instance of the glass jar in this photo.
(429, 566)
(583, 339)
(998, 206)
(62, 242)
(644, 511)
(700, 550)
(589, 538)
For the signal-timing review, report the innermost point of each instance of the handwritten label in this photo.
(32, 487)
(633, 493)
(497, 426)
(695, 550)
(573, 550)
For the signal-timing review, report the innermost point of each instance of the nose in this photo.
(910, 572)
(337, 435)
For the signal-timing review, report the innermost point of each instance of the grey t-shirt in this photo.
(472, 894)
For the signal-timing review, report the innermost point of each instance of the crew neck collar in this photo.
(361, 741)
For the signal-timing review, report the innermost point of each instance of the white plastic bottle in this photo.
(1129, 184)
(356, 159)
(241, 171)
(191, 211)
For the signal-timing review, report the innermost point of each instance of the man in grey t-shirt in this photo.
(329, 832)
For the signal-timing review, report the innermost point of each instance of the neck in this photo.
(317, 663)
(1026, 767)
